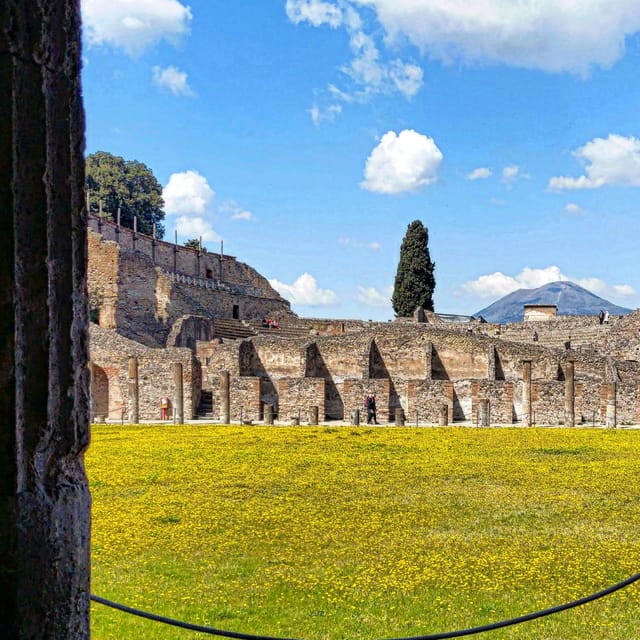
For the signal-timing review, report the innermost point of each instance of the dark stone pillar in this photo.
(491, 363)
(134, 399)
(428, 360)
(526, 393)
(569, 395)
(44, 377)
(225, 404)
(178, 391)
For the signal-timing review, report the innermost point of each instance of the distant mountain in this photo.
(570, 298)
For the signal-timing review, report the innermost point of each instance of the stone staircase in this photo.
(232, 329)
(205, 408)
(286, 330)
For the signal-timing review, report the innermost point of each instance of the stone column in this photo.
(399, 417)
(134, 399)
(178, 391)
(611, 417)
(44, 377)
(225, 403)
(491, 362)
(313, 415)
(428, 359)
(526, 393)
(569, 395)
(268, 414)
(483, 412)
(444, 415)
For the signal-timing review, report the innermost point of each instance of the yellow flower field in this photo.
(348, 533)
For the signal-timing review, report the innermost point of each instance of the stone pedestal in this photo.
(399, 417)
(444, 416)
(268, 414)
(354, 417)
(313, 415)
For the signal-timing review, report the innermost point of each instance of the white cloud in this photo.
(498, 284)
(305, 291)
(358, 244)
(171, 79)
(611, 161)
(479, 174)
(187, 194)
(316, 12)
(135, 25)
(326, 114)
(233, 209)
(551, 35)
(511, 174)
(371, 297)
(196, 227)
(402, 162)
(573, 208)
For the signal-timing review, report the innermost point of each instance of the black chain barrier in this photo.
(434, 636)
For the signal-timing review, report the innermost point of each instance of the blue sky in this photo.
(307, 135)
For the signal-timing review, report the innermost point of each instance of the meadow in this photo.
(350, 533)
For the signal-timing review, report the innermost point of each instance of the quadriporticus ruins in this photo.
(178, 323)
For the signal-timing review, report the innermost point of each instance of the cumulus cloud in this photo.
(135, 25)
(479, 174)
(609, 161)
(305, 291)
(371, 297)
(512, 173)
(196, 227)
(187, 193)
(188, 197)
(402, 162)
(171, 79)
(498, 284)
(551, 35)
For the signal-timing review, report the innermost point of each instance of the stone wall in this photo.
(110, 353)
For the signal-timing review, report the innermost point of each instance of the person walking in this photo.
(371, 409)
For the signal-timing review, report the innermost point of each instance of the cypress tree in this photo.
(415, 281)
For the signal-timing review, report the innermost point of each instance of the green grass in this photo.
(350, 533)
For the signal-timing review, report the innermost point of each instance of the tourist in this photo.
(535, 336)
(606, 317)
(601, 316)
(371, 409)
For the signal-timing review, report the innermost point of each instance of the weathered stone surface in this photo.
(44, 380)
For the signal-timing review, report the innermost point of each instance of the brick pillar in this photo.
(611, 417)
(178, 391)
(44, 377)
(225, 400)
(569, 395)
(526, 393)
(483, 412)
(134, 399)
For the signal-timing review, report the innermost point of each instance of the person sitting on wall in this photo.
(567, 344)
(535, 336)
(265, 321)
